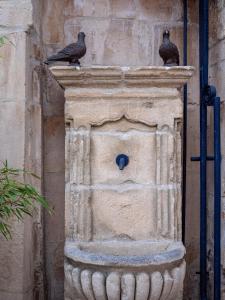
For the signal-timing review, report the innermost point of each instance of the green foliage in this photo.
(16, 198)
(4, 40)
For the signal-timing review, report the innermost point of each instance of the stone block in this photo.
(16, 13)
(126, 9)
(12, 65)
(158, 11)
(216, 54)
(221, 24)
(54, 269)
(12, 261)
(128, 43)
(54, 100)
(110, 40)
(54, 134)
(93, 8)
(55, 195)
(217, 73)
(192, 205)
(14, 296)
(52, 14)
(138, 142)
(145, 107)
(12, 136)
(193, 12)
(115, 211)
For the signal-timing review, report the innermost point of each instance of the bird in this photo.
(71, 53)
(169, 51)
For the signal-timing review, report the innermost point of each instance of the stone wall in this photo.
(20, 138)
(118, 33)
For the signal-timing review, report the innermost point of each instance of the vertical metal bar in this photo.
(184, 169)
(203, 57)
(217, 201)
(203, 201)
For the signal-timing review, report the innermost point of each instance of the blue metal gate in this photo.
(208, 98)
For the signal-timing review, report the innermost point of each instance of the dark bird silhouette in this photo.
(71, 53)
(168, 51)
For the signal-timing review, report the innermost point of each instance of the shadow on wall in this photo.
(54, 187)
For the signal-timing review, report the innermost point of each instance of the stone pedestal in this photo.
(123, 223)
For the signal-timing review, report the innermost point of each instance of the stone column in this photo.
(123, 222)
(20, 139)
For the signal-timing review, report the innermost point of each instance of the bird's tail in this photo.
(53, 58)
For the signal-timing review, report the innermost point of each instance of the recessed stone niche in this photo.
(123, 226)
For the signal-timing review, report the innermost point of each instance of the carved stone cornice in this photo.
(108, 76)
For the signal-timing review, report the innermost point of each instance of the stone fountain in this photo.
(123, 182)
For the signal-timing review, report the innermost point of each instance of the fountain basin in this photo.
(124, 270)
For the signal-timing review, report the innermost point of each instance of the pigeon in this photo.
(71, 53)
(168, 51)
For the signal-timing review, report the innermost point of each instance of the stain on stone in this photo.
(148, 104)
(58, 261)
(53, 124)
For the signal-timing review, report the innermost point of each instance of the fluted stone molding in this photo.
(123, 228)
(98, 284)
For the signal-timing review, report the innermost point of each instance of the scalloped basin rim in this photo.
(124, 253)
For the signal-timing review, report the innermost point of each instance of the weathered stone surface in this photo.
(52, 34)
(115, 211)
(16, 14)
(136, 111)
(116, 77)
(122, 27)
(99, 8)
(119, 285)
(12, 60)
(118, 43)
(94, 18)
(17, 256)
(99, 287)
(54, 187)
(13, 111)
(54, 250)
(11, 280)
(53, 178)
(53, 17)
(54, 157)
(138, 141)
(158, 11)
(142, 286)
(127, 286)
(113, 286)
(86, 282)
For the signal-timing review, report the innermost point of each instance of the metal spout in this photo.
(122, 161)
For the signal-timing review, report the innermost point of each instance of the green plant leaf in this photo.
(4, 39)
(17, 198)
